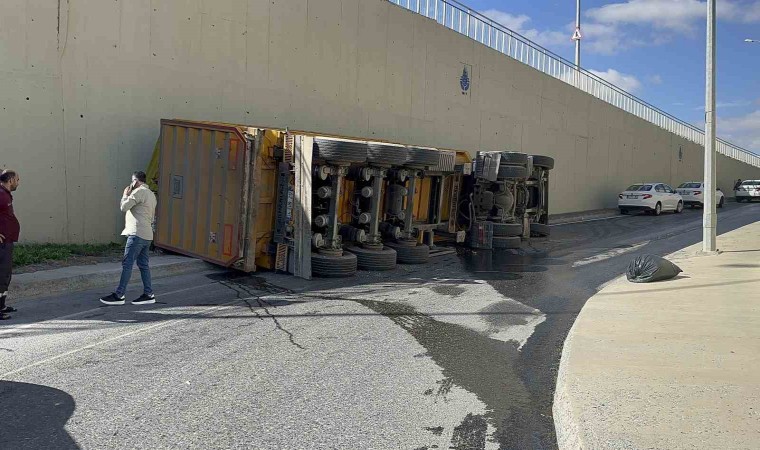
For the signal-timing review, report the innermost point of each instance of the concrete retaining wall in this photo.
(83, 85)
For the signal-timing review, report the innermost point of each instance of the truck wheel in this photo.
(422, 157)
(418, 254)
(387, 154)
(507, 229)
(340, 150)
(329, 266)
(514, 158)
(506, 172)
(367, 259)
(545, 162)
(503, 242)
(539, 229)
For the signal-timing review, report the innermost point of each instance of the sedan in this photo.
(653, 198)
(748, 191)
(693, 194)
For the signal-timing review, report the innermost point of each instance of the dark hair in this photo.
(7, 176)
(140, 175)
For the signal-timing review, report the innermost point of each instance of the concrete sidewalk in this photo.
(668, 365)
(79, 278)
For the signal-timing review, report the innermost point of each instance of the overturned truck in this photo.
(310, 204)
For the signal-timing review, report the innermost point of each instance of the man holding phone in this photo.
(139, 205)
(9, 231)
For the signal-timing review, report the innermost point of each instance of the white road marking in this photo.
(111, 339)
(609, 254)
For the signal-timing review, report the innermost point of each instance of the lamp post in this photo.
(709, 219)
(577, 34)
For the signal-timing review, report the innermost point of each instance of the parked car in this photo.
(748, 191)
(693, 194)
(651, 198)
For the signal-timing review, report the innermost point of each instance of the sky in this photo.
(655, 49)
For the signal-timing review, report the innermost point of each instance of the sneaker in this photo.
(144, 299)
(8, 309)
(112, 299)
(4, 316)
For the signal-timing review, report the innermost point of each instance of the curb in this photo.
(583, 216)
(37, 284)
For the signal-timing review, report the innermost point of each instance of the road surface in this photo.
(461, 353)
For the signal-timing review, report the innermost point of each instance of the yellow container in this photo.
(216, 192)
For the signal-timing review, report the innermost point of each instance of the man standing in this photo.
(737, 184)
(139, 204)
(9, 231)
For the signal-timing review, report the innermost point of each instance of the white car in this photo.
(693, 194)
(652, 198)
(748, 191)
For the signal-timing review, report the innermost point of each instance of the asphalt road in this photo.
(461, 353)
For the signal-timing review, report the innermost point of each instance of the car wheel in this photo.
(540, 229)
(679, 208)
(623, 211)
(406, 254)
(514, 158)
(545, 162)
(658, 209)
(511, 172)
(507, 229)
(383, 259)
(333, 266)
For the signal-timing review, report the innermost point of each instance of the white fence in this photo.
(462, 19)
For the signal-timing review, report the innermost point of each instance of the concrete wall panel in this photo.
(83, 87)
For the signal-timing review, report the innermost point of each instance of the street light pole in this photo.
(577, 34)
(709, 219)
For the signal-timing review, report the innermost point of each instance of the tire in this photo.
(384, 259)
(506, 172)
(507, 229)
(540, 229)
(679, 208)
(422, 157)
(418, 254)
(514, 158)
(340, 150)
(503, 242)
(387, 154)
(328, 266)
(545, 162)
(657, 209)
(623, 211)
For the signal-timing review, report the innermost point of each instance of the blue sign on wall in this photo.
(464, 80)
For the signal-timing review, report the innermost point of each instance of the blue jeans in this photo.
(136, 248)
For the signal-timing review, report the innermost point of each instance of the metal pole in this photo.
(709, 220)
(578, 27)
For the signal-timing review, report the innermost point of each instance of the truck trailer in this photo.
(312, 204)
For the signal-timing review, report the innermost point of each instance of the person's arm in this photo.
(128, 201)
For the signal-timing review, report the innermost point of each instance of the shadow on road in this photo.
(33, 417)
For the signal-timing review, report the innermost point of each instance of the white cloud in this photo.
(673, 15)
(725, 105)
(624, 81)
(654, 79)
(742, 130)
(520, 25)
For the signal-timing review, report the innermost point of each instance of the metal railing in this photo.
(464, 20)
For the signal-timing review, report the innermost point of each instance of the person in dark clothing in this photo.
(9, 232)
(737, 184)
